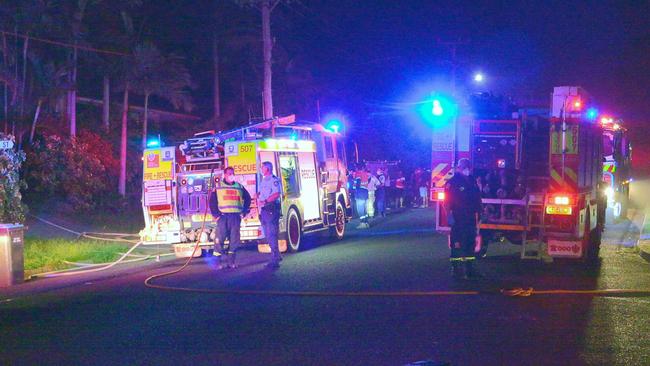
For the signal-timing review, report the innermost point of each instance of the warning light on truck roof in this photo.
(592, 113)
(334, 125)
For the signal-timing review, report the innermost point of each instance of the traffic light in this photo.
(437, 110)
(592, 113)
(334, 125)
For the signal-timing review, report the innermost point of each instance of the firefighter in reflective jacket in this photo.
(228, 203)
(463, 205)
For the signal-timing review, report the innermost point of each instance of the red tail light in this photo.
(560, 204)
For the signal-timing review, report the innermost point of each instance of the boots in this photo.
(231, 260)
(456, 270)
(470, 271)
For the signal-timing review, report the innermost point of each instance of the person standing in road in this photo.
(229, 202)
(361, 196)
(373, 184)
(380, 193)
(400, 186)
(268, 202)
(463, 205)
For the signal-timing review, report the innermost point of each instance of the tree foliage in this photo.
(80, 170)
(12, 210)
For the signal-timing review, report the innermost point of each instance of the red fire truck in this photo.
(539, 174)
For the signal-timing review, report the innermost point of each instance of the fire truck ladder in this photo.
(533, 248)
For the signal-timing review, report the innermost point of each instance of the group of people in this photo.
(230, 202)
(369, 192)
(376, 191)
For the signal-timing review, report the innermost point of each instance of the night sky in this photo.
(374, 57)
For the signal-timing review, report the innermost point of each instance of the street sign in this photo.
(6, 144)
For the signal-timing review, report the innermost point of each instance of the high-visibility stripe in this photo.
(557, 178)
(462, 259)
(568, 172)
(438, 169)
(609, 167)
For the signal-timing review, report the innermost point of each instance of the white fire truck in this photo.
(308, 159)
(539, 173)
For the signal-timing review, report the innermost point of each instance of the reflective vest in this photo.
(365, 178)
(400, 183)
(230, 198)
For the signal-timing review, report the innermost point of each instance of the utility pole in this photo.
(267, 105)
(453, 46)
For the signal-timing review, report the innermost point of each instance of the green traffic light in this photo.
(437, 109)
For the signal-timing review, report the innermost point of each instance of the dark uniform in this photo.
(270, 214)
(228, 203)
(463, 203)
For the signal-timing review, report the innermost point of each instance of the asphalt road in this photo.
(112, 318)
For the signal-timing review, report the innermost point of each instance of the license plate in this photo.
(559, 248)
(558, 210)
(199, 218)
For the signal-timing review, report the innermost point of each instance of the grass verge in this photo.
(44, 255)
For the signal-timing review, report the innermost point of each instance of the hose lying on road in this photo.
(93, 267)
(76, 271)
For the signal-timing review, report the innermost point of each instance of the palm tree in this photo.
(162, 76)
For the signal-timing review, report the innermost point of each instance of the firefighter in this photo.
(268, 200)
(229, 202)
(463, 205)
(400, 185)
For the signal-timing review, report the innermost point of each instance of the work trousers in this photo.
(370, 204)
(270, 224)
(465, 235)
(228, 228)
(361, 209)
(380, 197)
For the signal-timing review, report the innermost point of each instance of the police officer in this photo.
(268, 201)
(228, 203)
(463, 204)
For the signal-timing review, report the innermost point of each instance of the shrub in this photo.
(79, 170)
(12, 210)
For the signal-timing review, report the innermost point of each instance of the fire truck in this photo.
(308, 158)
(617, 159)
(539, 173)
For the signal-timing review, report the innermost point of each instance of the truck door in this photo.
(309, 196)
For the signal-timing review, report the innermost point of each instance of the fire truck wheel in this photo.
(294, 230)
(338, 230)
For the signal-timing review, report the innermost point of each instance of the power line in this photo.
(64, 44)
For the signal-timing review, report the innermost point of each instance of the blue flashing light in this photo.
(153, 143)
(592, 113)
(334, 125)
(294, 136)
(437, 111)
